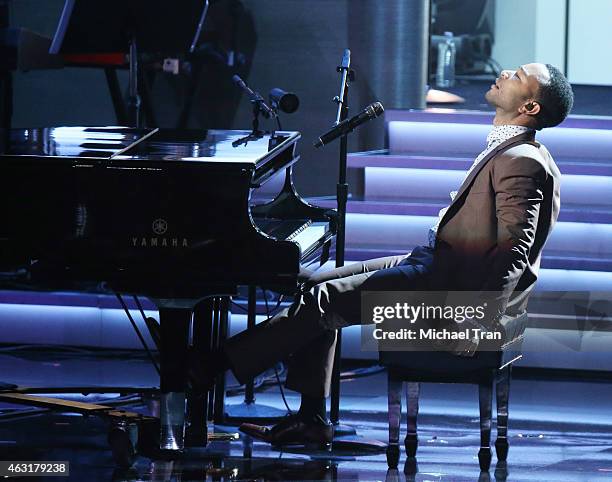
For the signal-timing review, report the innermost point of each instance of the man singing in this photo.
(489, 239)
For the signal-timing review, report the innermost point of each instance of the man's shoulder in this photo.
(531, 158)
(530, 153)
(532, 149)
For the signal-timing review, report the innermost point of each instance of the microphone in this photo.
(348, 125)
(255, 97)
(287, 102)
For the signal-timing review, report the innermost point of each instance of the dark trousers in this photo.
(305, 333)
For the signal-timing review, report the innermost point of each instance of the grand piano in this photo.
(167, 214)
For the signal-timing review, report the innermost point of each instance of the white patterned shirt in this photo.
(497, 135)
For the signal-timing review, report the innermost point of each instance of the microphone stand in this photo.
(345, 436)
(134, 100)
(347, 75)
(255, 133)
(259, 107)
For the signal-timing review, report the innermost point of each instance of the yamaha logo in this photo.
(160, 226)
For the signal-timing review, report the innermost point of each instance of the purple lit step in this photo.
(469, 139)
(480, 117)
(385, 159)
(408, 184)
(569, 263)
(569, 213)
(71, 298)
(400, 233)
(567, 165)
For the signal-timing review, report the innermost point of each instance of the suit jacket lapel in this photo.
(528, 136)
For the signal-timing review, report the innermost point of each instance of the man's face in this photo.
(514, 88)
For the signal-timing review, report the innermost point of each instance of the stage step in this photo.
(408, 184)
(383, 158)
(572, 245)
(583, 213)
(467, 140)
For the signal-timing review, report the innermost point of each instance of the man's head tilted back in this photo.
(535, 95)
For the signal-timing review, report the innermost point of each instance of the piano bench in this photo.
(485, 369)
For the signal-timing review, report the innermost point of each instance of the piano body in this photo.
(167, 214)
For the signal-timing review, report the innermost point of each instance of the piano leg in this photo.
(219, 406)
(214, 344)
(249, 392)
(210, 323)
(197, 429)
(173, 380)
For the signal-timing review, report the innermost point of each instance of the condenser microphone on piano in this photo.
(348, 125)
(266, 111)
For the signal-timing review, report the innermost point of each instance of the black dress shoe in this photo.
(310, 431)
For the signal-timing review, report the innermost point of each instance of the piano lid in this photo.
(209, 146)
(71, 142)
(125, 145)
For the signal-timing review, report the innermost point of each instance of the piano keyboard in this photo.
(305, 232)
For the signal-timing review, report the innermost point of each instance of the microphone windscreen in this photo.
(378, 108)
(286, 101)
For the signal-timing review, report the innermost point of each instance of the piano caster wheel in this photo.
(122, 438)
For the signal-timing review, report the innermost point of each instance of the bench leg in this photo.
(485, 396)
(503, 393)
(411, 441)
(394, 398)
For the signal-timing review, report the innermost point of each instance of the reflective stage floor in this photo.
(559, 430)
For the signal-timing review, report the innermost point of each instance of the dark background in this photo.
(293, 44)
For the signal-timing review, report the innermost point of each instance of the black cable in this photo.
(140, 337)
(245, 310)
(282, 391)
(278, 303)
(144, 317)
(280, 385)
(242, 308)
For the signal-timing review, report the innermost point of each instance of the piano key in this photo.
(310, 235)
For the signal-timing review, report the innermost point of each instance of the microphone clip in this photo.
(350, 72)
(350, 76)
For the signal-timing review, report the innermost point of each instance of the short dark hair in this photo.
(556, 99)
